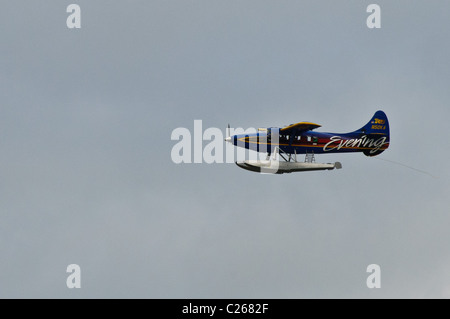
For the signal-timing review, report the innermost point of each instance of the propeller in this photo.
(228, 133)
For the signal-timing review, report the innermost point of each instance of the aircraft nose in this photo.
(228, 139)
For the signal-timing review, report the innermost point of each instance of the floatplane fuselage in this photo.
(292, 140)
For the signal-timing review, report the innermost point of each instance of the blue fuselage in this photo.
(312, 142)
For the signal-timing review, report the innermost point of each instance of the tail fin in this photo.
(378, 124)
(378, 130)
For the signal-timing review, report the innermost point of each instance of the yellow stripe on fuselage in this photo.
(247, 140)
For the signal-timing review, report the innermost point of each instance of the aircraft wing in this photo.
(300, 127)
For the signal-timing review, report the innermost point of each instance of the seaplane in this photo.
(283, 145)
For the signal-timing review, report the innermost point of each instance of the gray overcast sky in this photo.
(86, 174)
